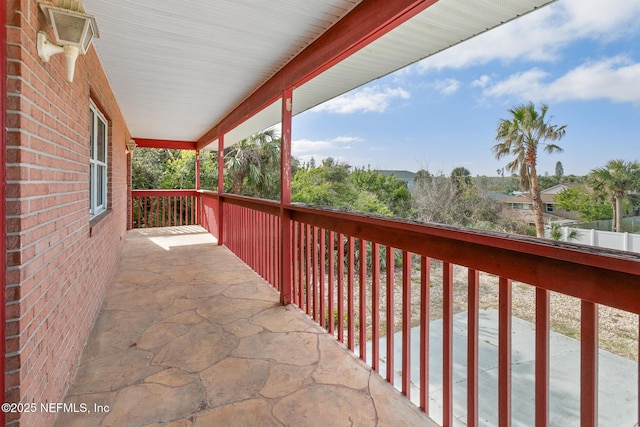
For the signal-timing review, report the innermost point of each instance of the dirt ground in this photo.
(618, 330)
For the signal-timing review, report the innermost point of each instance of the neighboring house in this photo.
(405, 176)
(520, 207)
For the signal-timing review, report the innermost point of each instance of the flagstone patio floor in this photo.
(189, 336)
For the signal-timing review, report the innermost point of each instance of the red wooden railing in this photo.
(164, 208)
(340, 279)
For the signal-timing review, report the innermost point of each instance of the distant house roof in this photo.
(403, 175)
(546, 195)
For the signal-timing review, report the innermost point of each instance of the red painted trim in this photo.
(542, 358)
(473, 329)
(447, 344)
(362, 329)
(165, 143)
(504, 352)
(588, 364)
(340, 287)
(368, 21)
(350, 293)
(375, 307)
(163, 193)
(286, 278)
(221, 236)
(197, 169)
(390, 314)
(425, 290)
(406, 324)
(331, 243)
(3, 195)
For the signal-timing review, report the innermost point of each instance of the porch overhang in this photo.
(218, 69)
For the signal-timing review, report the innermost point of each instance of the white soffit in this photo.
(444, 24)
(178, 67)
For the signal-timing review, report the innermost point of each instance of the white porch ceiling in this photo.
(178, 68)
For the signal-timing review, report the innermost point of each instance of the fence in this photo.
(603, 239)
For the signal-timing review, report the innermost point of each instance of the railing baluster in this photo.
(301, 252)
(375, 307)
(504, 353)
(314, 273)
(363, 300)
(331, 281)
(323, 313)
(340, 323)
(406, 323)
(308, 277)
(447, 345)
(473, 330)
(350, 292)
(542, 358)
(588, 364)
(390, 318)
(425, 282)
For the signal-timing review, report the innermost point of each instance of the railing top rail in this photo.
(163, 193)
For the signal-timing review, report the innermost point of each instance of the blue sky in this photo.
(581, 57)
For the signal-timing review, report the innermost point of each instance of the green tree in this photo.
(335, 185)
(617, 181)
(579, 200)
(461, 177)
(559, 170)
(148, 167)
(520, 136)
(253, 165)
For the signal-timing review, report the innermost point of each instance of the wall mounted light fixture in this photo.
(73, 30)
(131, 146)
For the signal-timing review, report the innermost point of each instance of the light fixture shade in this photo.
(72, 26)
(131, 146)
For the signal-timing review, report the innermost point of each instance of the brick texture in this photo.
(58, 263)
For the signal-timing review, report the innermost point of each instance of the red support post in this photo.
(197, 169)
(221, 236)
(286, 253)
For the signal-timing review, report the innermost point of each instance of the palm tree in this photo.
(520, 137)
(252, 162)
(461, 177)
(617, 179)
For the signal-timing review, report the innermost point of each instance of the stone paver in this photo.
(189, 336)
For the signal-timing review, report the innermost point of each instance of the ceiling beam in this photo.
(367, 22)
(165, 143)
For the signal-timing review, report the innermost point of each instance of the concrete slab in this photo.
(617, 376)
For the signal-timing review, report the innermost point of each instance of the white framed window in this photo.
(98, 163)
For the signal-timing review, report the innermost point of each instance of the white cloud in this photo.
(481, 81)
(372, 98)
(447, 86)
(541, 35)
(616, 79)
(301, 147)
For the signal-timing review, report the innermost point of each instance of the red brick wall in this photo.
(58, 264)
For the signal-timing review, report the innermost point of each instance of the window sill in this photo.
(95, 224)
